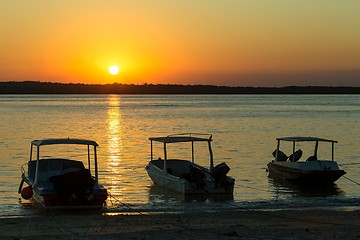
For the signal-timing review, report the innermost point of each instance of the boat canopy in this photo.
(63, 141)
(305, 139)
(184, 137)
(53, 141)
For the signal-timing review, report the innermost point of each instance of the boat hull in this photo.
(47, 197)
(306, 172)
(97, 200)
(181, 185)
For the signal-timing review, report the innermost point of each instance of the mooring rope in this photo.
(125, 204)
(351, 180)
(348, 164)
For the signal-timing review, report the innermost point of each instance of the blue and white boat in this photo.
(310, 171)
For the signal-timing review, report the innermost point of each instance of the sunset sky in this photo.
(234, 43)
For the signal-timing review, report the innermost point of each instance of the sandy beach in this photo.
(243, 224)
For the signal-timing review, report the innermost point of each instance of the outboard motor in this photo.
(219, 174)
(220, 171)
(281, 156)
(197, 176)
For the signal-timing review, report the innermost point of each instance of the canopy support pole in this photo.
(192, 151)
(37, 164)
(293, 155)
(88, 147)
(30, 165)
(151, 147)
(277, 150)
(316, 148)
(165, 156)
(211, 156)
(96, 167)
(31, 150)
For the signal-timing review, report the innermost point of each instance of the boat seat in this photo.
(297, 156)
(281, 156)
(312, 158)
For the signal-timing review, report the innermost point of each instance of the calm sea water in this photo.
(244, 129)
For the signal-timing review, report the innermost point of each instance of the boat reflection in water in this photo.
(283, 187)
(159, 194)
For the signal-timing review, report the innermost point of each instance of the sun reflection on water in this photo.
(115, 145)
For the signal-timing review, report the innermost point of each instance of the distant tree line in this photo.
(35, 87)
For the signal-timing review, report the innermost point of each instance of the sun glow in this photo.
(114, 70)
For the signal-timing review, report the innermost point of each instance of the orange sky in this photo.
(237, 43)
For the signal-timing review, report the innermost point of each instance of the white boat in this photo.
(59, 182)
(185, 176)
(310, 171)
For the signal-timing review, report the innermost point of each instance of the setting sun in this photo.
(249, 43)
(114, 70)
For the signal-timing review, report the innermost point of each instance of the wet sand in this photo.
(284, 224)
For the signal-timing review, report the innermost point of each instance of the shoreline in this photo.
(35, 87)
(245, 224)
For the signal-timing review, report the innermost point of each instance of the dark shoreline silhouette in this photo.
(35, 87)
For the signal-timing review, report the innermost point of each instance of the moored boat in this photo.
(310, 171)
(60, 182)
(186, 176)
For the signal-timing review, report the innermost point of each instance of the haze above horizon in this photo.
(232, 43)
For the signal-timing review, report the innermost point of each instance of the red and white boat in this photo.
(310, 171)
(59, 182)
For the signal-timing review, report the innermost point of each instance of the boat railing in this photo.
(23, 169)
